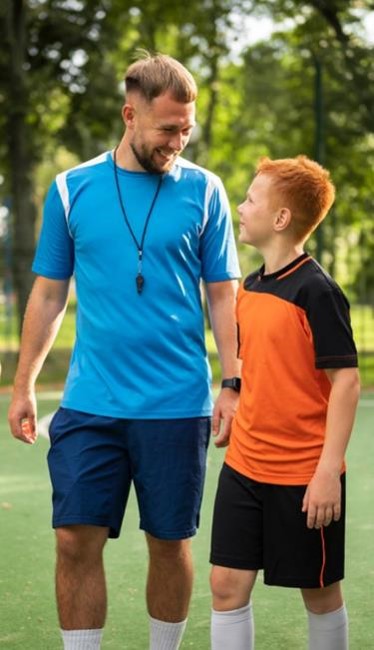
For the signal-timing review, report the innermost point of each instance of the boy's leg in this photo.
(232, 617)
(80, 585)
(236, 555)
(327, 618)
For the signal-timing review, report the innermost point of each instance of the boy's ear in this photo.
(283, 219)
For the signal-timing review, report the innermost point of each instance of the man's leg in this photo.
(327, 618)
(80, 584)
(169, 588)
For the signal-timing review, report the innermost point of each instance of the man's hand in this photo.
(22, 418)
(322, 499)
(223, 413)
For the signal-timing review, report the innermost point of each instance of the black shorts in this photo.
(261, 526)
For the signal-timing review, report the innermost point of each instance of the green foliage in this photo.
(261, 101)
(268, 107)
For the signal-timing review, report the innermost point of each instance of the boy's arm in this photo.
(322, 500)
(44, 313)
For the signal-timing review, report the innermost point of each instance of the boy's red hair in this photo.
(304, 187)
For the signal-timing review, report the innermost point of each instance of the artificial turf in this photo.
(27, 612)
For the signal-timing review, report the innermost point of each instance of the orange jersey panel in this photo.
(278, 432)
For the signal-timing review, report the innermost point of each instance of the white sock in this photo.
(165, 636)
(328, 631)
(82, 639)
(233, 629)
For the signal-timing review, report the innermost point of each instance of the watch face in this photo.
(234, 383)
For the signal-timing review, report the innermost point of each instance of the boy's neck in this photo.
(277, 258)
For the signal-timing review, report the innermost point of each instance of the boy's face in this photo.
(258, 212)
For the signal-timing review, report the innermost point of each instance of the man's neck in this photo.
(125, 157)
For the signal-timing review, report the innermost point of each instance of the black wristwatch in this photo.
(234, 383)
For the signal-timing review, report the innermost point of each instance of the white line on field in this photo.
(43, 425)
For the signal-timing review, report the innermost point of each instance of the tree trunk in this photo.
(20, 158)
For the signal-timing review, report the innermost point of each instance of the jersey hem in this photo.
(271, 480)
(135, 415)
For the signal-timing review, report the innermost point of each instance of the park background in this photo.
(276, 78)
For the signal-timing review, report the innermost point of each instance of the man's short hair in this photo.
(154, 75)
(303, 186)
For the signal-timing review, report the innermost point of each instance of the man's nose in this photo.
(177, 141)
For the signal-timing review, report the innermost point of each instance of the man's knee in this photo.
(165, 550)
(78, 544)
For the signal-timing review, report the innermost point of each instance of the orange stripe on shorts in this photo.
(321, 575)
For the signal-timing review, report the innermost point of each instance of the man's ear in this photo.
(128, 114)
(283, 219)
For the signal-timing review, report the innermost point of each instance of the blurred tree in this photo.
(267, 107)
(61, 61)
(44, 44)
(18, 143)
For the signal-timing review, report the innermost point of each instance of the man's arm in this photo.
(322, 500)
(43, 316)
(221, 302)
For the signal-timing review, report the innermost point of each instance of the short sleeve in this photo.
(329, 320)
(218, 250)
(54, 257)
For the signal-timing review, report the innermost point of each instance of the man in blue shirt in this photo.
(139, 228)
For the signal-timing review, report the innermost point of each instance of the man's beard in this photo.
(147, 163)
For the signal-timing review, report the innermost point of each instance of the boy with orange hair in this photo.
(280, 503)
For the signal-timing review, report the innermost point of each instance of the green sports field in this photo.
(27, 611)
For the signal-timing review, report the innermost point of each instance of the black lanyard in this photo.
(139, 280)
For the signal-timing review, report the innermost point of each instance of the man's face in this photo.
(258, 212)
(158, 131)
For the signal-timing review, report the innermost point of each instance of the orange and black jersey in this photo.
(292, 324)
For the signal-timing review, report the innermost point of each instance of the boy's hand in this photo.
(322, 499)
(223, 414)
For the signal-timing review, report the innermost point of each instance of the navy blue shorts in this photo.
(93, 460)
(261, 526)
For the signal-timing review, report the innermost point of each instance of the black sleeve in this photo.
(329, 319)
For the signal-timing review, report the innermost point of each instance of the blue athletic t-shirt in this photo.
(138, 356)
